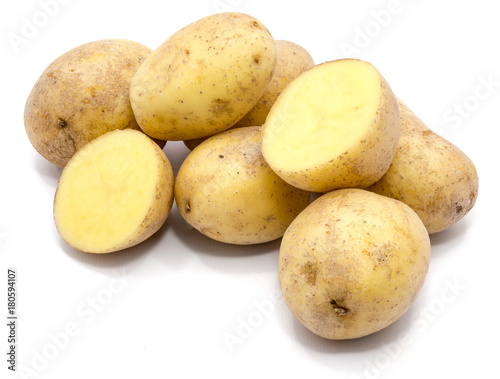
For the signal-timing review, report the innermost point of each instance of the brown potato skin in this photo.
(81, 95)
(430, 174)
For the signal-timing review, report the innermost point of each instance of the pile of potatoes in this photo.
(324, 156)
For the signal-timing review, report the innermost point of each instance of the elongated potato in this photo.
(226, 190)
(352, 263)
(335, 126)
(114, 193)
(81, 95)
(204, 78)
(430, 174)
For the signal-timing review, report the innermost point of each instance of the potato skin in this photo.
(226, 190)
(204, 78)
(81, 95)
(291, 60)
(358, 167)
(352, 263)
(430, 174)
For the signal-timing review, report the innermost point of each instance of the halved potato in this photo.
(335, 126)
(114, 193)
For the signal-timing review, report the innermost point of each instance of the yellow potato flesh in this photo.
(106, 191)
(324, 114)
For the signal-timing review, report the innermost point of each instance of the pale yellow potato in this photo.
(335, 126)
(291, 60)
(226, 190)
(204, 78)
(430, 174)
(81, 95)
(352, 263)
(114, 193)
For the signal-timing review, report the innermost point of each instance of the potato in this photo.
(81, 95)
(114, 193)
(352, 263)
(430, 174)
(204, 78)
(335, 126)
(226, 190)
(291, 60)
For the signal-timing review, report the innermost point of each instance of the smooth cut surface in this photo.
(106, 191)
(322, 114)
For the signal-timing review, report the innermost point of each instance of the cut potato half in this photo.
(335, 126)
(114, 193)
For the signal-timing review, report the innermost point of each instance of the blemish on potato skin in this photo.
(339, 310)
(309, 272)
(221, 106)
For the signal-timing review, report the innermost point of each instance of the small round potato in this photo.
(204, 78)
(352, 263)
(81, 95)
(226, 190)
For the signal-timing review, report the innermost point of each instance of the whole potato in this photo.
(81, 95)
(204, 78)
(352, 263)
(335, 126)
(430, 174)
(226, 190)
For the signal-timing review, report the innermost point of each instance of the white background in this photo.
(168, 307)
